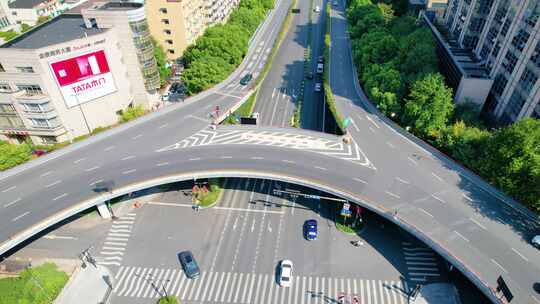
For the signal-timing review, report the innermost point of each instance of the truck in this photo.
(320, 68)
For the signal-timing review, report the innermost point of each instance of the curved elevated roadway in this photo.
(479, 230)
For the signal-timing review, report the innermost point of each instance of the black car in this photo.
(175, 88)
(321, 59)
(310, 75)
(189, 264)
(246, 79)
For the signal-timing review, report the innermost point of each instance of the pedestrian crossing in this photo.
(112, 251)
(422, 263)
(233, 287)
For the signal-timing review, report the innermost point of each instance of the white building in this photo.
(73, 74)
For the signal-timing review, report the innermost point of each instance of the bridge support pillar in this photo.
(104, 211)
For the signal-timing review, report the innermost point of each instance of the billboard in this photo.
(83, 78)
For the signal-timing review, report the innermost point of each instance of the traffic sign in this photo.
(346, 122)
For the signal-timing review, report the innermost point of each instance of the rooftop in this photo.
(120, 6)
(25, 3)
(61, 29)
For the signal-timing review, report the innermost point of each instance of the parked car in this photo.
(536, 241)
(310, 75)
(318, 87)
(255, 115)
(317, 9)
(310, 230)
(189, 264)
(285, 273)
(335, 3)
(176, 87)
(246, 79)
(320, 59)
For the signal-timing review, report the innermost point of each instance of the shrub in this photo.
(132, 113)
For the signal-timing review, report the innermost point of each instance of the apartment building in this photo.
(176, 24)
(29, 11)
(66, 77)
(505, 37)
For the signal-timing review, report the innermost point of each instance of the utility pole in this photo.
(82, 112)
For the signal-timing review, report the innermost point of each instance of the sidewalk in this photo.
(437, 293)
(88, 285)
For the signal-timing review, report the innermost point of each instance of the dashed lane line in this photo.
(20, 216)
(12, 202)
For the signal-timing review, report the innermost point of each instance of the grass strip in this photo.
(328, 94)
(38, 285)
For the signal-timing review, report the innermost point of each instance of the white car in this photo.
(318, 87)
(317, 9)
(536, 241)
(255, 115)
(285, 273)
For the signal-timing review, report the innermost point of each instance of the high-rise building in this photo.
(505, 37)
(66, 77)
(176, 24)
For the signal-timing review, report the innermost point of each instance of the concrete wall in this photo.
(473, 89)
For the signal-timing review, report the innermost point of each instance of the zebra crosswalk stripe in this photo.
(182, 281)
(211, 276)
(201, 283)
(186, 288)
(238, 288)
(231, 289)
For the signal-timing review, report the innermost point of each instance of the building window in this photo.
(48, 139)
(5, 88)
(32, 107)
(14, 13)
(44, 123)
(7, 108)
(163, 10)
(520, 40)
(168, 32)
(25, 69)
(169, 41)
(170, 51)
(165, 21)
(499, 84)
(528, 80)
(515, 104)
(506, 26)
(511, 61)
(30, 89)
(11, 122)
(535, 57)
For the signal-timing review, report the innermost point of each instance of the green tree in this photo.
(511, 161)
(383, 85)
(25, 27)
(375, 47)
(428, 106)
(161, 60)
(365, 19)
(468, 112)
(43, 19)
(131, 113)
(417, 55)
(462, 142)
(401, 27)
(12, 155)
(387, 12)
(168, 300)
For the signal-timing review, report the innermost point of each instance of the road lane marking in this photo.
(390, 145)
(437, 177)
(371, 129)
(499, 265)
(136, 136)
(257, 157)
(521, 255)
(109, 148)
(60, 196)
(163, 126)
(45, 174)
(373, 122)
(95, 182)
(392, 194)
(9, 189)
(128, 157)
(413, 161)
(438, 198)
(196, 158)
(162, 164)
(20, 216)
(425, 212)
(55, 183)
(320, 168)
(129, 171)
(225, 157)
(217, 207)
(461, 236)
(360, 181)
(402, 180)
(79, 160)
(59, 237)
(288, 161)
(477, 223)
(467, 197)
(91, 169)
(355, 126)
(12, 202)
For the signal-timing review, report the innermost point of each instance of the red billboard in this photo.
(84, 78)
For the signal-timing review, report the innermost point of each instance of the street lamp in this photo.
(160, 281)
(82, 112)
